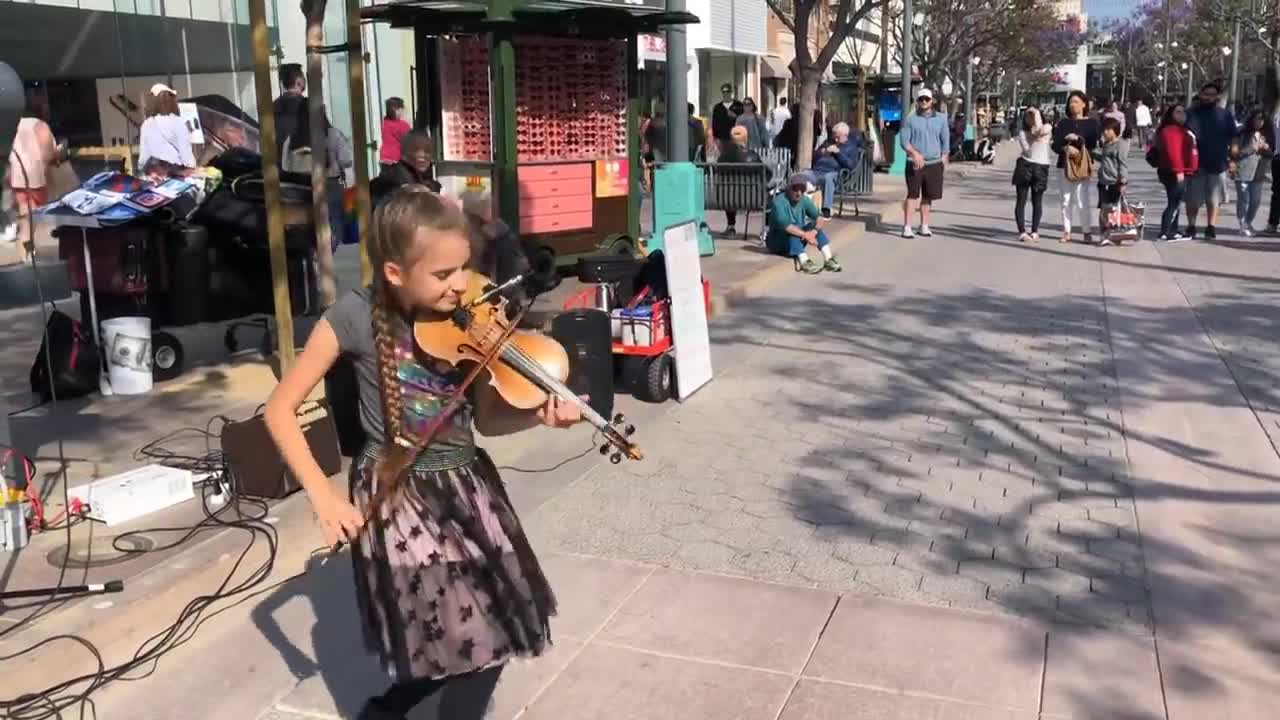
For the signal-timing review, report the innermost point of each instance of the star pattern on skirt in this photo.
(415, 585)
(402, 545)
(434, 558)
(415, 532)
(465, 612)
(465, 650)
(501, 651)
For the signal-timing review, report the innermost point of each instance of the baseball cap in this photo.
(924, 93)
(161, 88)
(800, 179)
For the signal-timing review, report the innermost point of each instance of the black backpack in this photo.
(75, 360)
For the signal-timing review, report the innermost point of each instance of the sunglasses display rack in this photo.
(571, 99)
(464, 88)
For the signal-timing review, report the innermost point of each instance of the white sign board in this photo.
(190, 115)
(689, 331)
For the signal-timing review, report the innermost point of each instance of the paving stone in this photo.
(992, 572)
(1057, 581)
(891, 580)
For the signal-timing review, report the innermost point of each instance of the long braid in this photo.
(394, 226)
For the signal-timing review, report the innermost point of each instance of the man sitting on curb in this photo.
(795, 224)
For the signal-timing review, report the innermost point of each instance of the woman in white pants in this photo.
(1077, 132)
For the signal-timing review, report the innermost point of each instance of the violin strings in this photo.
(522, 361)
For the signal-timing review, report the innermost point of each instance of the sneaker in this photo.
(925, 231)
(1024, 237)
(1178, 237)
(807, 266)
(1271, 230)
(730, 230)
(1035, 237)
(907, 232)
(1247, 231)
(1210, 233)
(826, 213)
(1190, 234)
(1106, 240)
(832, 265)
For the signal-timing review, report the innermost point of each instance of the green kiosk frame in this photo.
(545, 198)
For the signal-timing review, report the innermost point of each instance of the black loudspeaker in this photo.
(587, 337)
(189, 254)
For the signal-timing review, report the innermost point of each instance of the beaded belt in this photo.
(433, 459)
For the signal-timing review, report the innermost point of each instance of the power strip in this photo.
(129, 495)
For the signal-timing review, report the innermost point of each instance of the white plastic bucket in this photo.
(128, 349)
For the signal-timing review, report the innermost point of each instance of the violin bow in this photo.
(455, 402)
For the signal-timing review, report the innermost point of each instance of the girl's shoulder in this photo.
(351, 318)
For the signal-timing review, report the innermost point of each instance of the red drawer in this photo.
(556, 223)
(568, 171)
(554, 205)
(555, 188)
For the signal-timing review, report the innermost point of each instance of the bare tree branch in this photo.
(787, 22)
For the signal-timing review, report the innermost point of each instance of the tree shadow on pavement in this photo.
(338, 658)
(977, 437)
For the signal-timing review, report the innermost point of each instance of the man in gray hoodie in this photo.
(926, 140)
(1112, 155)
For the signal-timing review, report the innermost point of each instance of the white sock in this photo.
(826, 252)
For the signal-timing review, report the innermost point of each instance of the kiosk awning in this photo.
(772, 67)
(583, 18)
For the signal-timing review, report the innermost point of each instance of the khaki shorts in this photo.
(1207, 189)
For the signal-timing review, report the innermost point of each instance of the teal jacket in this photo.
(782, 214)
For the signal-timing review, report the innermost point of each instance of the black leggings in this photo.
(467, 696)
(1037, 207)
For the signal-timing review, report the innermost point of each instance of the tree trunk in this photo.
(313, 10)
(810, 79)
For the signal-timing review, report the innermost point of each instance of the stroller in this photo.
(1125, 222)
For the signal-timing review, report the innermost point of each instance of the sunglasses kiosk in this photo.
(536, 105)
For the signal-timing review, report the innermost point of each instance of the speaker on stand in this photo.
(588, 339)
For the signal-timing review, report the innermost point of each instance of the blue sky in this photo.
(1106, 9)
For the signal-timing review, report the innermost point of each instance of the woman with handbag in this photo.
(1031, 174)
(1074, 138)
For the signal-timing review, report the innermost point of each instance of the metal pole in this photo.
(359, 135)
(1191, 73)
(502, 118)
(1235, 61)
(1164, 81)
(907, 31)
(970, 112)
(677, 88)
(271, 181)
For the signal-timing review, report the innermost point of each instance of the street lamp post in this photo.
(908, 29)
(1191, 72)
(970, 113)
(1235, 60)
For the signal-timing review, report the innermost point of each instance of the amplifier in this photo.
(256, 466)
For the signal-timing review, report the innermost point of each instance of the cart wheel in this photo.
(166, 357)
(230, 342)
(622, 245)
(659, 381)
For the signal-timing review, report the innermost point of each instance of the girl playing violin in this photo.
(446, 582)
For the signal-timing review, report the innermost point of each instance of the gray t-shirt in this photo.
(424, 392)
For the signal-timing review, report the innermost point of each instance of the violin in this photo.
(525, 368)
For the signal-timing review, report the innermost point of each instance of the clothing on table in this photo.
(757, 131)
(1084, 128)
(1174, 191)
(928, 134)
(784, 214)
(446, 582)
(1113, 162)
(393, 131)
(1077, 205)
(925, 183)
(1214, 128)
(1248, 200)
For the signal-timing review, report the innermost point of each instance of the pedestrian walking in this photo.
(1074, 138)
(1272, 135)
(926, 141)
(1112, 155)
(779, 117)
(1142, 119)
(447, 585)
(1031, 174)
(1251, 154)
(1176, 159)
(757, 128)
(32, 158)
(1214, 129)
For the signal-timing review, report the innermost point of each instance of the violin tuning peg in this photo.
(604, 449)
(615, 458)
(629, 430)
(619, 419)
